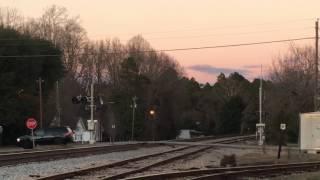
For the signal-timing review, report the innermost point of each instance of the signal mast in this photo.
(260, 126)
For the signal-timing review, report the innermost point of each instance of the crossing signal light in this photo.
(76, 100)
(81, 99)
(84, 100)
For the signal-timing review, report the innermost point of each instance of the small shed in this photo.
(309, 134)
(184, 134)
(188, 134)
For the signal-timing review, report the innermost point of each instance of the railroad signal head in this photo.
(84, 99)
(81, 99)
(76, 100)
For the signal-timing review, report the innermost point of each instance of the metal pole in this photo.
(40, 100)
(91, 106)
(58, 104)
(33, 145)
(153, 129)
(260, 98)
(92, 103)
(280, 143)
(260, 127)
(316, 92)
(134, 105)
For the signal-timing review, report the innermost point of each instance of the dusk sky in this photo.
(170, 24)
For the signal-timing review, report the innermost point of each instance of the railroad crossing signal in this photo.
(76, 100)
(80, 99)
(85, 99)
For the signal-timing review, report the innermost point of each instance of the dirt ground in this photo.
(244, 156)
(270, 156)
(287, 156)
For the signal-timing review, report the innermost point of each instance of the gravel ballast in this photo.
(39, 169)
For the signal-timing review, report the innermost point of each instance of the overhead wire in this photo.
(171, 50)
(221, 27)
(200, 36)
(236, 45)
(175, 37)
(225, 34)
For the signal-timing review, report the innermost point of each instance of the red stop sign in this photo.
(31, 123)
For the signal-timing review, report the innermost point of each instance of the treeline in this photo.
(123, 71)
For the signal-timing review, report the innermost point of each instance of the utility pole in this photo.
(40, 81)
(91, 110)
(260, 126)
(91, 102)
(260, 108)
(134, 106)
(316, 89)
(58, 118)
(92, 123)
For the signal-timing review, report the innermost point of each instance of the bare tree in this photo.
(10, 18)
(292, 90)
(51, 23)
(71, 41)
(293, 74)
(65, 32)
(114, 60)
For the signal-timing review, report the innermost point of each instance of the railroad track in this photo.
(204, 138)
(260, 171)
(129, 166)
(234, 139)
(122, 169)
(219, 138)
(46, 155)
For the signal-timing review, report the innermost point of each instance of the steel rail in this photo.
(120, 163)
(265, 172)
(45, 155)
(97, 168)
(235, 139)
(145, 168)
(206, 138)
(232, 172)
(13, 158)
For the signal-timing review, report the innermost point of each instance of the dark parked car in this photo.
(52, 135)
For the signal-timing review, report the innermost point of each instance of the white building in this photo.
(309, 135)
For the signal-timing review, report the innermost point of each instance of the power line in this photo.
(186, 29)
(45, 44)
(170, 50)
(236, 45)
(225, 34)
(22, 39)
(31, 56)
(170, 37)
